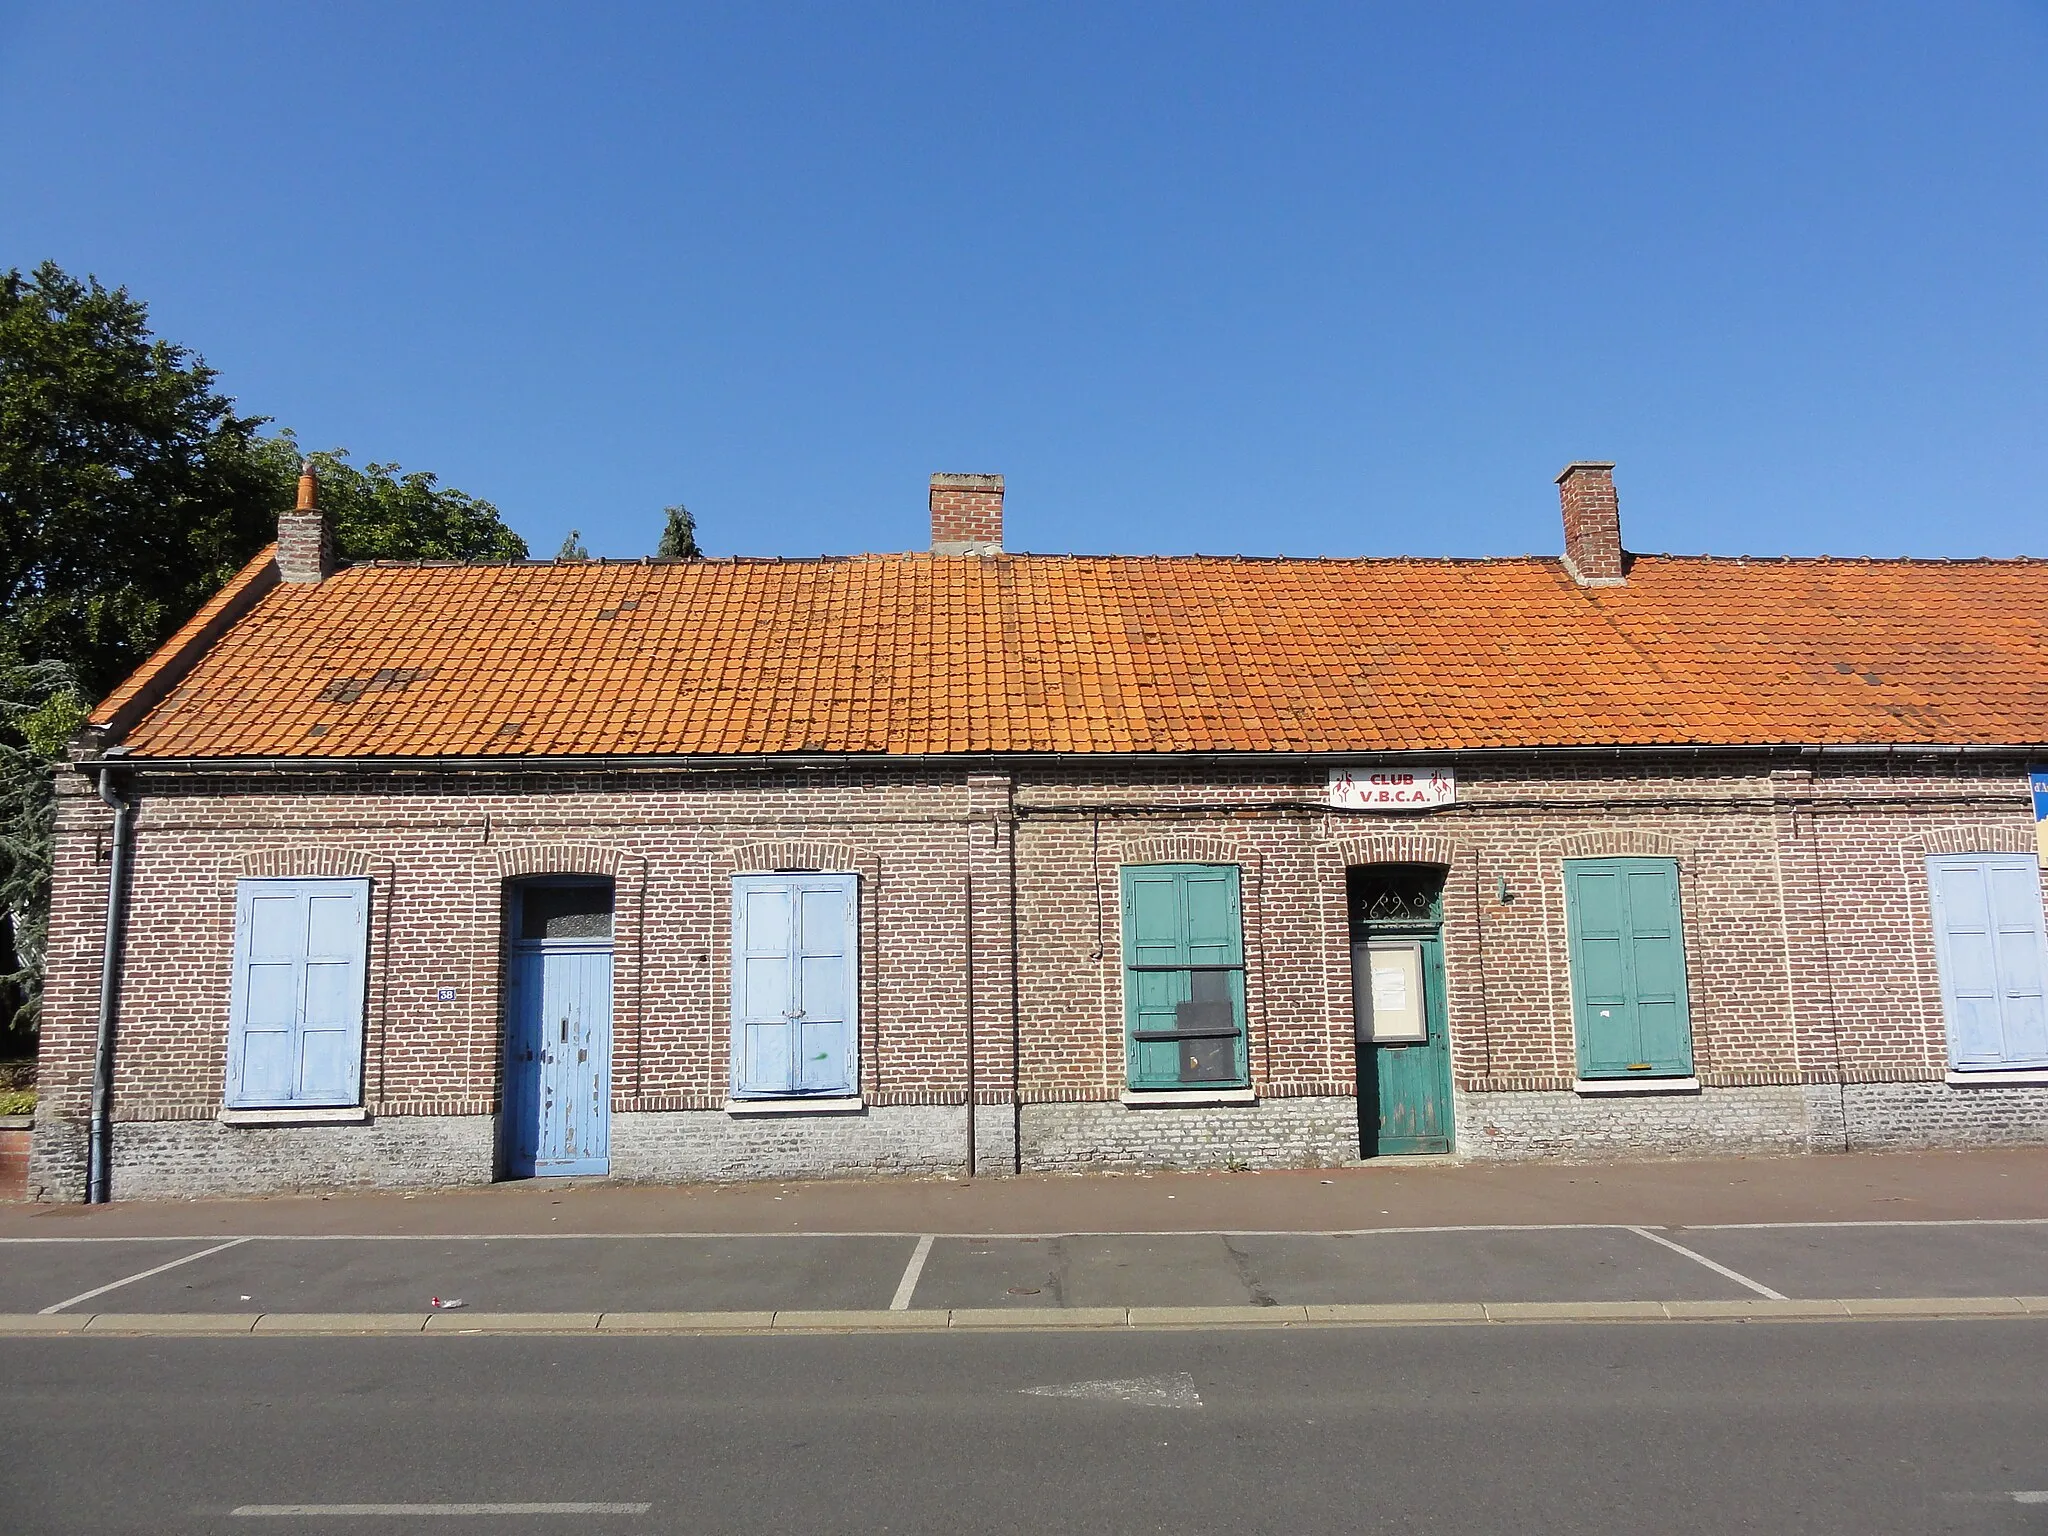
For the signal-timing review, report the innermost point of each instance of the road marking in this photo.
(1903, 1221)
(1480, 1227)
(1720, 1269)
(289, 1511)
(1174, 1391)
(72, 1301)
(907, 1286)
(2031, 1496)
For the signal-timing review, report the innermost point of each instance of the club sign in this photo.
(1391, 787)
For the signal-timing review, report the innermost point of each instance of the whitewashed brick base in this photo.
(691, 1145)
(1729, 1121)
(1276, 1133)
(180, 1159)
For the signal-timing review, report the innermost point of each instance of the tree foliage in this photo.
(572, 547)
(679, 535)
(39, 711)
(130, 489)
(381, 512)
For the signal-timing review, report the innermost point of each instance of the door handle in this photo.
(565, 1031)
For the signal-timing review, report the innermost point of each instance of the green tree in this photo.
(679, 535)
(39, 712)
(129, 488)
(572, 547)
(380, 512)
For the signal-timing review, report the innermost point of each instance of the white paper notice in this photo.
(1389, 989)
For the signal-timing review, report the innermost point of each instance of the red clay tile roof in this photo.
(1033, 653)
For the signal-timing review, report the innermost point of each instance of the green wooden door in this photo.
(1398, 1010)
(1629, 1000)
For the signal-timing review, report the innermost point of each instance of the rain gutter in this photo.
(824, 761)
(98, 1156)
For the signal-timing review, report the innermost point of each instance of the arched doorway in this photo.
(1398, 1011)
(558, 1027)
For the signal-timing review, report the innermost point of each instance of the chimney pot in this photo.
(967, 514)
(1592, 525)
(305, 539)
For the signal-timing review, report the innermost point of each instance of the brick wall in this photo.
(1809, 942)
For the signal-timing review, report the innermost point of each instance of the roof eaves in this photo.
(149, 683)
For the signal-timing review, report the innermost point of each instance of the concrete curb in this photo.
(983, 1319)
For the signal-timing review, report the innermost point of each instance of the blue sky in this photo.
(1278, 279)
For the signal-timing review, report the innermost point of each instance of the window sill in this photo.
(2021, 1078)
(344, 1115)
(1633, 1087)
(853, 1106)
(1166, 1099)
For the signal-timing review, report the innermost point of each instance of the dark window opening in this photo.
(581, 911)
(1395, 896)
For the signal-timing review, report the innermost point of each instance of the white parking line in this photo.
(292, 1511)
(72, 1301)
(2031, 1496)
(1720, 1269)
(907, 1286)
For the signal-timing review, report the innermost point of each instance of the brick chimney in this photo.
(967, 514)
(1592, 525)
(305, 540)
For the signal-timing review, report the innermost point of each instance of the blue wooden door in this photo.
(558, 1046)
(1989, 946)
(795, 1022)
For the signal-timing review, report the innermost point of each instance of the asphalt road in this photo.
(1781, 1428)
(830, 1271)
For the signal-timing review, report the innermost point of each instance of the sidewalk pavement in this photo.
(1999, 1184)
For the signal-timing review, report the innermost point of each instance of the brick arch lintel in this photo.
(1620, 842)
(1403, 847)
(310, 861)
(806, 853)
(1972, 840)
(521, 859)
(1182, 848)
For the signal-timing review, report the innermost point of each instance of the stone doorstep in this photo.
(1383, 1314)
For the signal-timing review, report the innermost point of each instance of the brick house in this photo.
(976, 861)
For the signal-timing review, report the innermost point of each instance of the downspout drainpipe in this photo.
(99, 1141)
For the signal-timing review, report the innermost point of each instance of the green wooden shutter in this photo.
(1179, 920)
(1629, 1003)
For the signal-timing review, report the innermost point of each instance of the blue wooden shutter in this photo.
(763, 985)
(795, 985)
(1988, 944)
(295, 1025)
(825, 965)
(1627, 945)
